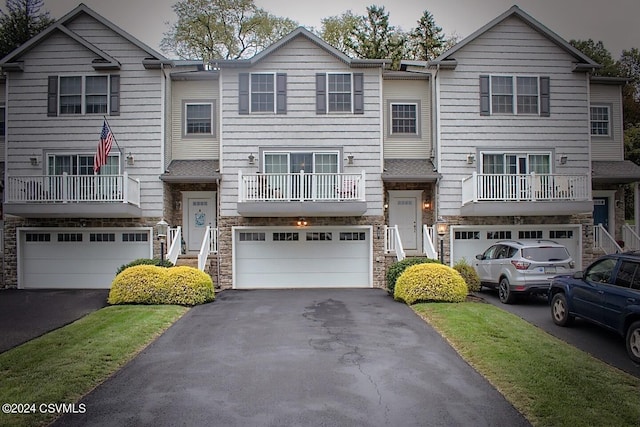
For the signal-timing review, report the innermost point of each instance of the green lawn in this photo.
(549, 381)
(62, 366)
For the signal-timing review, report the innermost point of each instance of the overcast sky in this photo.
(615, 22)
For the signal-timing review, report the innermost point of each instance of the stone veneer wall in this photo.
(225, 225)
(10, 243)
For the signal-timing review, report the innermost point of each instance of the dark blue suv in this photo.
(607, 293)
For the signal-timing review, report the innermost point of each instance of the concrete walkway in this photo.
(298, 358)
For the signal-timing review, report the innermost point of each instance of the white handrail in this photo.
(174, 241)
(392, 242)
(630, 238)
(604, 241)
(427, 242)
(204, 249)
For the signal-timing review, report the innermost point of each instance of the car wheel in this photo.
(560, 310)
(504, 291)
(633, 341)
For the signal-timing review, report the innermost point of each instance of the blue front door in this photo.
(601, 211)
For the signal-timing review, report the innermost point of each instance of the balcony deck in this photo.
(73, 196)
(301, 194)
(525, 194)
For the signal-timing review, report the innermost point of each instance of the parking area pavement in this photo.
(298, 358)
(27, 314)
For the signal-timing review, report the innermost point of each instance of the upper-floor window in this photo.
(339, 93)
(3, 122)
(515, 163)
(404, 118)
(81, 164)
(296, 161)
(262, 93)
(75, 95)
(198, 118)
(600, 120)
(525, 95)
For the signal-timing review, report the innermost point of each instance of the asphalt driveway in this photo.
(298, 358)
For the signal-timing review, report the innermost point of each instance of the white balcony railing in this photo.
(524, 188)
(72, 189)
(284, 187)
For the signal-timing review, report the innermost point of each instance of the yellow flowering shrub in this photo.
(150, 284)
(430, 282)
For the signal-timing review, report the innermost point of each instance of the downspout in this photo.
(435, 146)
(163, 95)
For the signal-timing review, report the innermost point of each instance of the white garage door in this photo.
(313, 257)
(77, 258)
(468, 240)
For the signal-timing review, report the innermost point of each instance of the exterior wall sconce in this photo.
(385, 206)
(302, 222)
(350, 159)
(252, 159)
(130, 159)
(34, 161)
(471, 158)
(563, 160)
(426, 204)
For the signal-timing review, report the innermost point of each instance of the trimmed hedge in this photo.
(150, 284)
(430, 282)
(397, 268)
(469, 274)
(145, 261)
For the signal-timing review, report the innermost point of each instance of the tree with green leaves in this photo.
(629, 65)
(22, 20)
(600, 54)
(222, 29)
(426, 41)
(337, 30)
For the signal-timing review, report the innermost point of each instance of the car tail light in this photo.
(520, 265)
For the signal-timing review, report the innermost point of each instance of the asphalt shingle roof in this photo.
(192, 171)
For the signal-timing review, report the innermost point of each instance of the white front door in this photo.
(200, 212)
(404, 211)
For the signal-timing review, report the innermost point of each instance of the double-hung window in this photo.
(77, 95)
(600, 120)
(339, 93)
(517, 95)
(404, 118)
(198, 118)
(263, 93)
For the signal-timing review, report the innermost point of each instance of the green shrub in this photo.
(469, 274)
(189, 286)
(140, 284)
(150, 284)
(430, 282)
(397, 268)
(145, 261)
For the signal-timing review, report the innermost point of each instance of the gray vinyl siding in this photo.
(405, 146)
(138, 128)
(612, 146)
(510, 48)
(192, 148)
(356, 134)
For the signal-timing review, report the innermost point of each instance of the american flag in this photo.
(104, 146)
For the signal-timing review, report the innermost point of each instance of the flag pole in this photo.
(113, 135)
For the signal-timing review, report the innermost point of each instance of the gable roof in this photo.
(584, 62)
(104, 60)
(300, 32)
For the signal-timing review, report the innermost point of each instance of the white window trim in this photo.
(609, 133)
(275, 89)
(185, 125)
(418, 124)
(83, 99)
(329, 92)
(514, 83)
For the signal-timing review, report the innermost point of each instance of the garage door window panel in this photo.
(70, 237)
(102, 237)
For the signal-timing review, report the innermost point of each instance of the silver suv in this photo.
(522, 267)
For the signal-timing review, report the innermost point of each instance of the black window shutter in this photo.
(545, 96)
(114, 104)
(281, 93)
(358, 93)
(321, 93)
(485, 109)
(52, 97)
(243, 93)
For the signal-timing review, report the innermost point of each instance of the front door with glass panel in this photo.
(200, 214)
(404, 211)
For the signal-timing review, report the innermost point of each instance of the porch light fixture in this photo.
(130, 159)
(471, 158)
(350, 159)
(34, 161)
(426, 204)
(162, 227)
(441, 229)
(252, 159)
(563, 160)
(302, 222)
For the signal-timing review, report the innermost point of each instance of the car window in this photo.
(600, 272)
(546, 253)
(503, 252)
(626, 274)
(491, 252)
